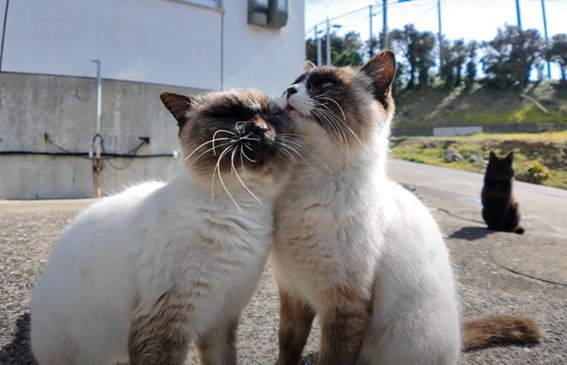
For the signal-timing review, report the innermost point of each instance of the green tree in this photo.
(417, 49)
(345, 51)
(557, 53)
(511, 55)
(455, 55)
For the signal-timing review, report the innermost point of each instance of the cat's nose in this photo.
(290, 91)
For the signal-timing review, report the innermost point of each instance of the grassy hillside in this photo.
(542, 102)
(539, 158)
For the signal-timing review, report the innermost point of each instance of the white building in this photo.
(48, 93)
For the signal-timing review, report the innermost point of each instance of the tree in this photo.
(455, 55)
(345, 50)
(471, 65)
(417, 48)
(511, 55)
(557, 53)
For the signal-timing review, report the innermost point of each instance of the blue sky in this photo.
(469, 19)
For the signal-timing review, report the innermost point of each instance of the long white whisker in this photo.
(239, 179)
(215, 134)
(209, 150)
(222, 181)
(197, 148)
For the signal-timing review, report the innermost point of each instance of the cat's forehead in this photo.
(326, 73)
(236, 102)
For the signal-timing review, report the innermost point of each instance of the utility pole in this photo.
(318, 47)
(385, 44)
(546, 36)
(370, 35)
(328, 42)
(518, 14)
(440, 34)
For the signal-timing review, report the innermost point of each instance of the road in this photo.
(497, 273)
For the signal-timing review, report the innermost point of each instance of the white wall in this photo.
(164, 42)
(156, 41)
(264, 58)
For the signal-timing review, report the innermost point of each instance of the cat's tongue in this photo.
(293, 113)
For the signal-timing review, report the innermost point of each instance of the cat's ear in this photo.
(178, 105)
(381, 69)
(510, 157)
(308, 66)
(492, 155)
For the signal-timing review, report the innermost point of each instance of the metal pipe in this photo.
(440, 34)
(385, 24)
(97, 162)
(546, 36)
(518, 14)
(318, 47)
(328, 42)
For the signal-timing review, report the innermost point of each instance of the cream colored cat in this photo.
(357, 249)
(140, 275)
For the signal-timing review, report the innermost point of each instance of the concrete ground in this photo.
(498, 273)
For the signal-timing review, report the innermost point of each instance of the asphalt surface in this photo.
(497, 273)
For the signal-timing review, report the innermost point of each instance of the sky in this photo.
(468, 19)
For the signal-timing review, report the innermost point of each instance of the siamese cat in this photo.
(140, 275)
(500, 210)
(357, 249)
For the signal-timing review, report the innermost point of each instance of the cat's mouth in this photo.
(292, 112)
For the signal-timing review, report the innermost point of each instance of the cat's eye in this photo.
(326, 85)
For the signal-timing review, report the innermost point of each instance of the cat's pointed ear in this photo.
(308, 66)
(178, 105)
(381, 69)
(492, 155)
(510, 157)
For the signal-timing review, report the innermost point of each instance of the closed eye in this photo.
(326, 85)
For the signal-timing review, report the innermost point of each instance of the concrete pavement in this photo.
(497, 273)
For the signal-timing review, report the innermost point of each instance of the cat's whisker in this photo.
(344, 122)
(223, 153)
(207, 151)
(239, 179)
(214, 138)
(338, 130)
(203, 144)
(242, 163)
(249, 139)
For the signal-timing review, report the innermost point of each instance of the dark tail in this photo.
(499, 330)
(519, 229)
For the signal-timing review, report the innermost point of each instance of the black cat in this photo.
(500, 210)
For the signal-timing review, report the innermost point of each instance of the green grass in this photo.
(534, 152)
(482, 106)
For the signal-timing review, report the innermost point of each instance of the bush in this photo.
(536, 174)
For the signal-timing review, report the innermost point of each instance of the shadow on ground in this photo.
(471, 233)
(19, 350)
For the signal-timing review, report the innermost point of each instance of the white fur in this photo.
(349, 217)
(120, 255)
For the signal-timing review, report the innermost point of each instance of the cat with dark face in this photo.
(355, 248)
(140, 275)
(500, 210)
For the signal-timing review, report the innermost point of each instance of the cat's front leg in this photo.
(343, 326)
(218, 345)
(161, 337)
(296, 318)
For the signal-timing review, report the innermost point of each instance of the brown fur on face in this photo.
(247, 127)
(345, 99)
(499, 330)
